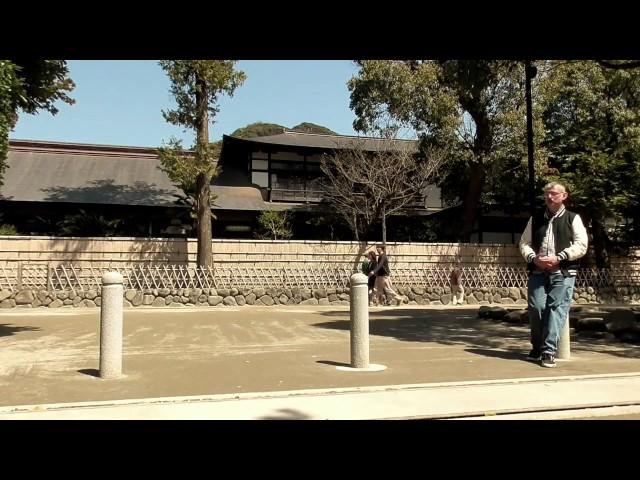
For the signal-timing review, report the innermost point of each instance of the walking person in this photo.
(368, 266)
(552, 243)
(382, 283)
(457, 290)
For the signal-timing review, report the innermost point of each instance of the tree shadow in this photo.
(463, 327)
(287, 414)
(7, 329)
(171, 250)
(93, 372)
(108, 192)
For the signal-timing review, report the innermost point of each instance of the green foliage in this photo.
(183, 166)
(260, 129)
(364, 266)
(274, 225)
(419, 230)
(8, 82)
(189, 199)
(29, 86)
(586, 128)
(324, 222)
(592, 119)
(307, 127)
(88, 224)
(7, 229)
(190, 78)
(473, 110)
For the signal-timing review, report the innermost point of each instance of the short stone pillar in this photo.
(359, 313)
(564, 342)
(111, 326)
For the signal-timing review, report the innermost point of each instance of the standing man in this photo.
(552, 243)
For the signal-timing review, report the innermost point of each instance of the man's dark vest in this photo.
(562, 233)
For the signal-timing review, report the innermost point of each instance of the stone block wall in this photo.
(210, 297)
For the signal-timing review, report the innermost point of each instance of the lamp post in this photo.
(530, 72)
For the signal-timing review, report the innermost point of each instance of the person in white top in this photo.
(552, 243)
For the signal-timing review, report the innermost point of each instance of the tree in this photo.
(274, 225)
(260, 129)
(471, 110)
(181, 168)
(617, 65)
(365, 186)
(306, 127)
(592, 121)
(196, 86)
(29, 86)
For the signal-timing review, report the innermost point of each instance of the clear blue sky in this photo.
(120, 102)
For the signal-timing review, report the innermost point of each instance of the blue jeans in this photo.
(550, 296)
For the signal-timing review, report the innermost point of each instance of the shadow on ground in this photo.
(336, 364)
(463, 327)
(7, 329)
(287, 414)
(507, 355)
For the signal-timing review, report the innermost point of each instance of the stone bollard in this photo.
(111, 326)
(359, 313)
(564, 342)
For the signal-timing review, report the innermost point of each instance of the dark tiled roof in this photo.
(105, 174)
(329, 142)
(58, 176)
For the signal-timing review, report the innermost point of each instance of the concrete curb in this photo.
(425, 401)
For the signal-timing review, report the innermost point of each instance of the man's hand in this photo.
(546, 262)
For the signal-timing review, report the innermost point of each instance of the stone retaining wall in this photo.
(163, 297)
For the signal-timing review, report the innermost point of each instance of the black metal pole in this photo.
(530, 72)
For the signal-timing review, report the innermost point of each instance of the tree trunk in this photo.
(384, 225)
(205, 258)
(471, 203)
(355, 227)
(600, 244)
(203, 181)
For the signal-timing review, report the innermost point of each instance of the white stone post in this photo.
(564, 342)
(359, 312)
(111, 326)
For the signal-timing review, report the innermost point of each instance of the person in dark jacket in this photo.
(368, 266)
(552, 243)
(382, 272)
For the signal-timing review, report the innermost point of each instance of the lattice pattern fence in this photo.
(35, 276)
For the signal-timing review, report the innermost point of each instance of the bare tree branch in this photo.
(626, 65)
(365, 185)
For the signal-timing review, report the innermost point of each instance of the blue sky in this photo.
(120, 102)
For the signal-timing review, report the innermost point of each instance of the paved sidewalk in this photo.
(460, 400)
(280, 362)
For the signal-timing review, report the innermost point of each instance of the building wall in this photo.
(85, 250)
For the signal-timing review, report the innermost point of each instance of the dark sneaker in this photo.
(534, 354)
(548, 360)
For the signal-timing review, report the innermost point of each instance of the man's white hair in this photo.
(551, 185)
